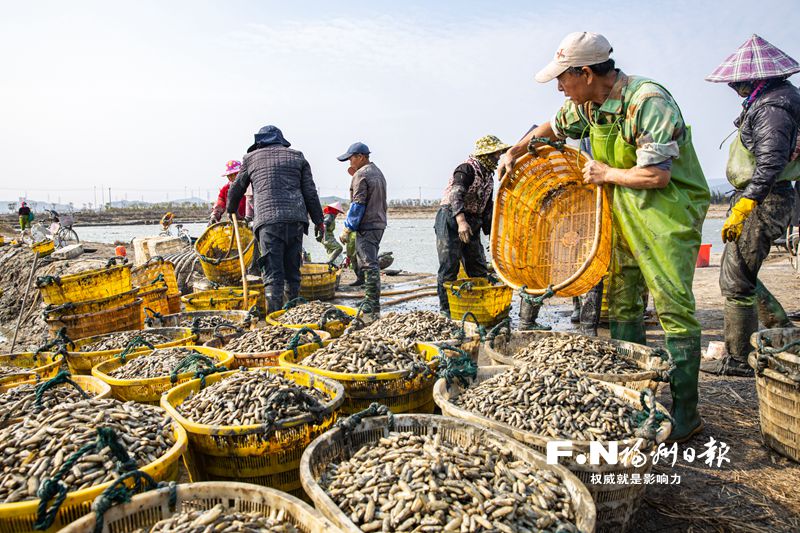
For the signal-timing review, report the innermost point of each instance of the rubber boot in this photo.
(740, 323)
(372, 295)
(274, 299)
(359, 278)
(333, 255)
(686, 421)
(575, 317)
(528, 313)
(590, 311)
(628, 331)
(770, 310)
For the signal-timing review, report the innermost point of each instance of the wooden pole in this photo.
(235, 222)
(24, 299)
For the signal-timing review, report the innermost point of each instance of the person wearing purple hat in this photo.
(231, 171)
(762, 161)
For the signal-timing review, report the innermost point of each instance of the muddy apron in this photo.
(657, 234)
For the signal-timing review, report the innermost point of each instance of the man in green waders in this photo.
(643, 148)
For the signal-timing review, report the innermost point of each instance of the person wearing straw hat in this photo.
(465, 210)
(642, 146)
(231, 172)
(284, 197)
(763, 160)
(329, 241)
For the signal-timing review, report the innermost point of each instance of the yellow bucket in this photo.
(396, 390)
(91, 285)
(489, 303)
(44, 365)
(83, 362)
(43, 248)
(149, 390)
(213, 245)
(229, 299)
(250, 453)
(334, 327)
(19, 517)
(318, 281)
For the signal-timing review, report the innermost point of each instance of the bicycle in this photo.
(183, 233)
(57, 227)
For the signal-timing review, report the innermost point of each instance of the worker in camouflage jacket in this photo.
(465, 211)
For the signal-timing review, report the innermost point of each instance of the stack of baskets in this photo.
(43, 365)
(154, 298)
(156, 268)
(489, 302)
(401, 391)
(93, 302)
(776, 360)
(318, 281)
(219, 254)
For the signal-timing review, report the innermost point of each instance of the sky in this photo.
(151, 98)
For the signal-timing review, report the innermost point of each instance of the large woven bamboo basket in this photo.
(156, 268)
(212, 246)
(226, 299)
(318, 281)
(90, 285)
(335, 447)
(776, 361)
(144, 510)
(548, 227)
(255, 453)
(41, 366)
(20, 517)
(241, 319)
(90, 306)
(616, 502)
(489, 302)
(654, 369)
(401, 391)
(82, 362)
(255, 359)
(334, 327)
(121, 318)
(149, 390)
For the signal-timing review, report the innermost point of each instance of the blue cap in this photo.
(355, 148)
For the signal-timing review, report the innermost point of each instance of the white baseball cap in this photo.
(579, 49)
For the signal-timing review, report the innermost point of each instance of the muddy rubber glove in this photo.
(733, 226)
(345, 236)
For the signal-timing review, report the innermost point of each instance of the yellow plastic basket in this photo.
(149, 390)
(121, 318)
(261, 302)
(334, 327)
(156, 266)
(83, 362)
(44, 365)
(251, 453)
(400, 391)
(242, 319)
(548, 227)
(228, 299)
(213, 244)
(43, 248)
(144, 510)
(91, 285)
(488, 302)
(255, 359)
(318, 281)
(19, 517)
(89, 384)
(174, 303)
(154, 297)
(90, 306)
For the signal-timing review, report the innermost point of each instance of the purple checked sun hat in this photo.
(755, 60)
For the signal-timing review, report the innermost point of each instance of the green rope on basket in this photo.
(503, 325)
(113, 261)
(537, 300)
(44, 281)
(225, 324)
(765, 359)
(461, 333)
(60, 340)
(294, 342)
(153, 314)
(348, 425)
(558, 145)
(55, 308)
(465, 286)
(62, 377)
(132, 345)
(158, 278)
(294, 302)
(333, 313)
(119, 492)
(52, 488)
(158, 258)
(300, 396)
(253, 313)
(664, 375)
(460, 368)
(196, 361)
(649, 419)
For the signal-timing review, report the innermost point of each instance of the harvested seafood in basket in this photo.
(554, 402)
(421, 326)
(268, 339)
(6, 370)
(580, 353)
(204, 322)
(309, 313)
(253, 397)
(220, 518)
(117, 341)
(37, 447)
(20, 401)
(365, 354)
(159, 362)
(408, 482)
